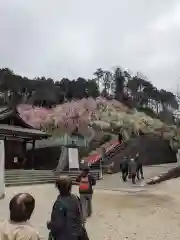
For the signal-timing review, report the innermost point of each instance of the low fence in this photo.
(101, 164)
(94, 158)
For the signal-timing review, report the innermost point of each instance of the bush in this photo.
(148, 111)
(84, 152)
(105, 138)
(166, 116)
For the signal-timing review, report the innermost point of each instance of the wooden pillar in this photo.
(33, 149)
(11, 121)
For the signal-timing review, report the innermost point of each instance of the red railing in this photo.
(91, 159)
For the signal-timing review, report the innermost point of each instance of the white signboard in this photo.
(73, 158)
(2, 156)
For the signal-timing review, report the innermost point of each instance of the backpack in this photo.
(84, 184)
(83, 234)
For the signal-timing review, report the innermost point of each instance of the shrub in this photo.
(148, 111)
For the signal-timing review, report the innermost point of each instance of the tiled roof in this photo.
(9, 130)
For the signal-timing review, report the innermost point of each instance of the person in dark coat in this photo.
(124, 168)
(133, 169)
(139, 167)
(66, 220)
(120, 137)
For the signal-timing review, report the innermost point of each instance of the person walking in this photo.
(132, 170)
(66, 218)
(139, 167)
(124, 168)
(18, 227)
(86, 182)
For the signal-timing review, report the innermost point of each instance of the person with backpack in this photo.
(66, 218)
(86, 182)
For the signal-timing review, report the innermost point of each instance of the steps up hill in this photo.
(152, 150)
(95, 155)
(30, 177)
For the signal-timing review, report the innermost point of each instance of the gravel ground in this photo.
(150, 214)
(147, 215)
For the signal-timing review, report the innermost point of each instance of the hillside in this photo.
(102, 114)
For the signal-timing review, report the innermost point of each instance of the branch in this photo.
(178, 92)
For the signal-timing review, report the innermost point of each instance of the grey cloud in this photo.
(57, 38)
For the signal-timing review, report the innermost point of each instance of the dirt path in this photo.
(148, 215)
(115, 182)
(151, 214)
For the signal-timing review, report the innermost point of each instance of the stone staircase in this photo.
(110, 156)
(114, 156)
(96, 154)
(30, 177)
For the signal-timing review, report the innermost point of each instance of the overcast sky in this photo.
(72, 38)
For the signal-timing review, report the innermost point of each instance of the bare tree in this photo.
(178, 93)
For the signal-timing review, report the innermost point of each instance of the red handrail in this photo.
(96, 156)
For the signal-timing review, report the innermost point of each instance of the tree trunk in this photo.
(172, 173)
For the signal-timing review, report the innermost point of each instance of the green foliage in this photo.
(105, 138)
(44, 92)
(151, 100)
(166, 116)
(148, 111)
(98, 74)
(84, 152)
(119, 82)
(93, 89)
(135, 91)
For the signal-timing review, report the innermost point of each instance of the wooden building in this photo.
(17, 134)
(27, 148)
(11, 116)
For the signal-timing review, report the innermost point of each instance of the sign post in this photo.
(73, 157)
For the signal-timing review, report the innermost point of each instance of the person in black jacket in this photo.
(66, 219)
(86, 182)
(124, 168)
(133, 169)
(139, 167)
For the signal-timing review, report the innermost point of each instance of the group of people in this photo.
(68, 217)
(132, 168)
